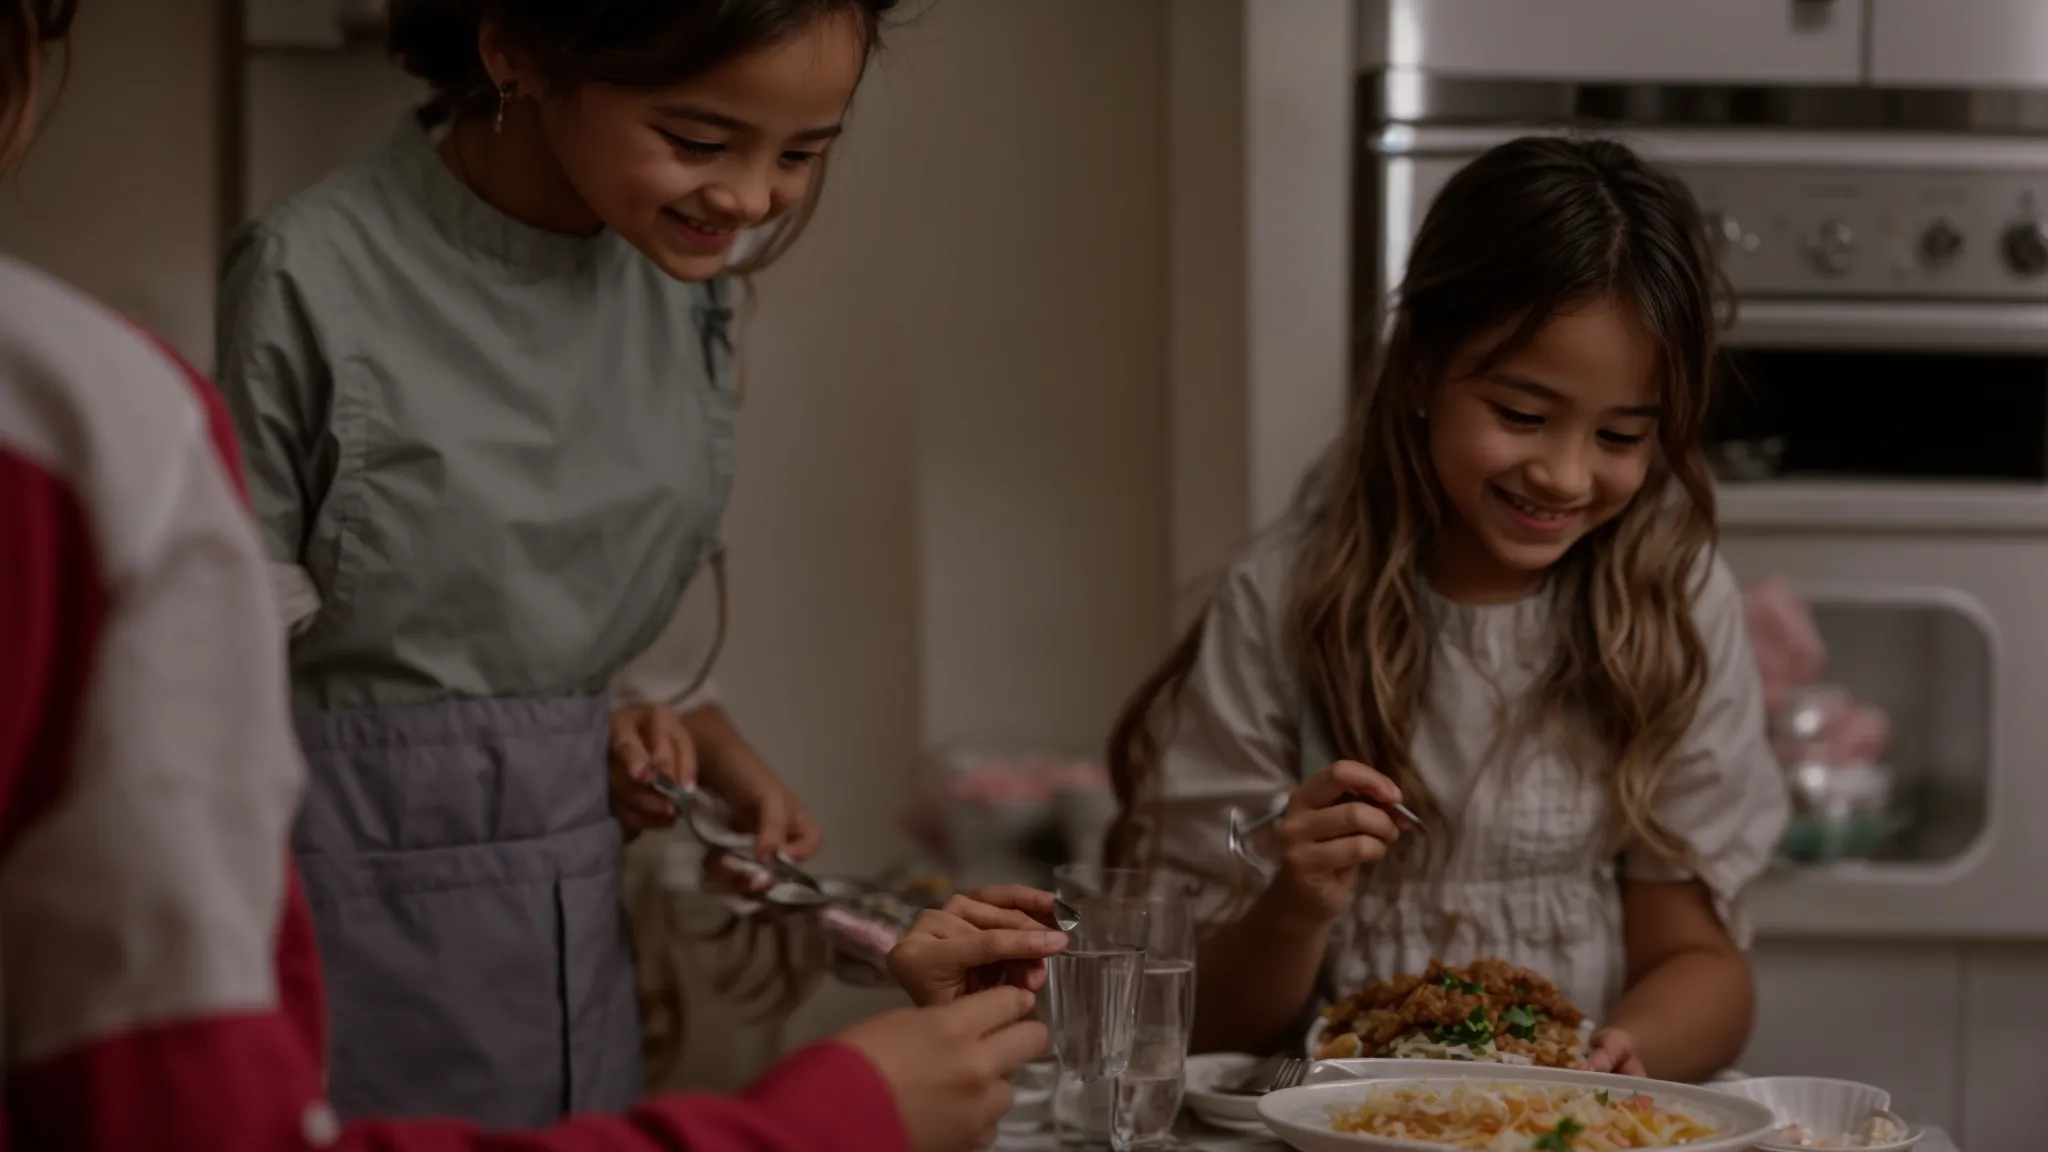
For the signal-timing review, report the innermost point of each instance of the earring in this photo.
(505, 93)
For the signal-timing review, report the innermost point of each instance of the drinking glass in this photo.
(1158, 911)
(1148, 1091)
(1092, 990)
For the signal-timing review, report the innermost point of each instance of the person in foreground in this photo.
(160, 989)
(1498, 603)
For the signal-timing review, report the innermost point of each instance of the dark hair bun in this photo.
(435, 40)
(634, 43)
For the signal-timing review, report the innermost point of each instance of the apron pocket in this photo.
(454, 976)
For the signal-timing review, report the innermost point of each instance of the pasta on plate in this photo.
(1506, 1117)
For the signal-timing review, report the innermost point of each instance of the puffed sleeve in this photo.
(275, 378)
(1725, 794)
(1232, 739)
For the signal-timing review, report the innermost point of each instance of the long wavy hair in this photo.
(1532, 228)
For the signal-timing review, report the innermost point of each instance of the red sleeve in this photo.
(825, 1098)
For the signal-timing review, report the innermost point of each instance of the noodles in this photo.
(1495, 1117)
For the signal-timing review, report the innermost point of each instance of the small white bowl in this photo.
(1203, 1092)
(1827, 1109)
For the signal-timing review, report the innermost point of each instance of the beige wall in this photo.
(951, 514)
(117, 196)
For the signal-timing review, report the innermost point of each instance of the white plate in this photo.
(1315, 1037)
(1206, 1075)
(1301, 1116)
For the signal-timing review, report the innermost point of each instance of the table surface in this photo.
(1194, 1136)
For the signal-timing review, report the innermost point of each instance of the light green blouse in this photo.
(499, 453)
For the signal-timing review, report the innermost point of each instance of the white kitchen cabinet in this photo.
(1883, 1013)
(1953, 1031)
(2005, 1020)
(1959, 43)
(1664, 41)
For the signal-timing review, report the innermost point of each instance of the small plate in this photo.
(1204, 1095)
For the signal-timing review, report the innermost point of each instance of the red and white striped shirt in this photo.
(159, 987)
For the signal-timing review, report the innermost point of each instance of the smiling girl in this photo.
(483, 380)
(1499, 604)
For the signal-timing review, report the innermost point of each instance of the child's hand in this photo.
(1613, 1050)
(949, 1067)
(646, 739)
(1325, 837)
(983, 939)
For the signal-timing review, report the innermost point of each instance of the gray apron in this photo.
(462, 864)
(501, 454)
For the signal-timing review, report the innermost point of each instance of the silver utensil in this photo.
(1242, 828)
(1271, 1075)
(1259, 1080)
(704, 815)
(1064, 915)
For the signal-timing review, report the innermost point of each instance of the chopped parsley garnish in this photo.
(1601, 1096)
(1521, 1021)
(1452, 982)
(1474, 1032)
(1558, 1139)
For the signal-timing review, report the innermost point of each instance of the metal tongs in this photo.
(710, 823)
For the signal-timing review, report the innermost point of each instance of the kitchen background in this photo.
(1080, 305)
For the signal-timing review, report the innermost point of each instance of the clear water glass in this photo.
(1148, 1092)
(1083, 1112)
(1138, 1111)
(1093, 990)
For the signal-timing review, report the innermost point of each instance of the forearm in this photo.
(1254, 978)
(716, 738)
(1690, 1015)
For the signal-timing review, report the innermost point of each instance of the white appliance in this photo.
(1893, 335)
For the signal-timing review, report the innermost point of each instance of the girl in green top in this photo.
(483, 380)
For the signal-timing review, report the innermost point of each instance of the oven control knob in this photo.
(1832, 248)
(1724, 231)
(2026, 247)
(1940, 243)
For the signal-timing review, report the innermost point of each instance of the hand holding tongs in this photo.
(705, 816)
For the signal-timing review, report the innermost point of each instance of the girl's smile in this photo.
(1539, 446)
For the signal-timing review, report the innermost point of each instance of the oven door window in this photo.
(1880, 416)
